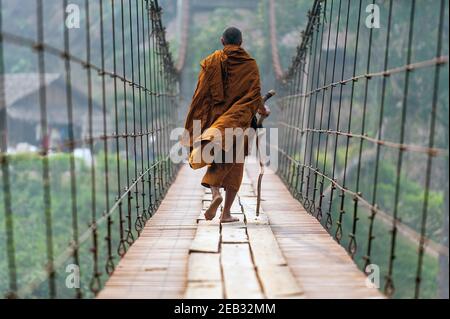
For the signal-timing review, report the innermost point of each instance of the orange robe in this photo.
(228, 94)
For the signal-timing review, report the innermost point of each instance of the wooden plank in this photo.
(155, 266)
(178, 255)
(248, 201)
(246, 188)
(278, 282)
(250, 214)
(234, 235)
(252, 219)
(240, 279)
(264, 246)
(236, 211)
(247, 194)
(207, 197)
(236, 207)
(241, 283)
(201, 216)
(204, 267)
(202, 290)
(205, 204)
(207, 238)
(236, 255)
(307, 246)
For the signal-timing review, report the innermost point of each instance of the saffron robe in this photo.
(228, 94)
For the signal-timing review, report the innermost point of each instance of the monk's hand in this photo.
(264, 111)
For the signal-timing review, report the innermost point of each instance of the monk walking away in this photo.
(227, 97)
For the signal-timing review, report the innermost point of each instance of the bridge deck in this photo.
(285, 253)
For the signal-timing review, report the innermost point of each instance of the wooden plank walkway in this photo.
(283, 253)
(244, 260)
(156, 264)
(323, 267)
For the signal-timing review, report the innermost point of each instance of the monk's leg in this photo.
(228, 176)
(232, 183)
(229, 199)
(215, 203)
(213, 179)
(215, 191)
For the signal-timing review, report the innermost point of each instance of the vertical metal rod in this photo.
(45, 146)
(71, 144)
(9, 222)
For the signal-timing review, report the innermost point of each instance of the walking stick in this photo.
(261, 164)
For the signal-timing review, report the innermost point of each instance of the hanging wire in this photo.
(6, 179)
(71, 134)
(95, 282)
(389, 285)
(431, 142)
(370, 235)
(45, 146)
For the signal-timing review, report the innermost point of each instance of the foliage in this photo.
(30, 232)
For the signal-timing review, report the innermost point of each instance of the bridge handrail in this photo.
(135, 139)
(324, 128)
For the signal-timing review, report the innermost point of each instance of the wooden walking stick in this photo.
(258, 149)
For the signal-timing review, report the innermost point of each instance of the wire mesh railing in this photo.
(88, 97)
(364, 136)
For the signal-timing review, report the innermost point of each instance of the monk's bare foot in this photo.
(211, 211)
(227, 218)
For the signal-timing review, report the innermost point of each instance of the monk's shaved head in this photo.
(232, 35)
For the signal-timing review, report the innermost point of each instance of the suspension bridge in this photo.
(361, 129)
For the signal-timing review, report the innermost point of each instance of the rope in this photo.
(274, 42)
(185, 19)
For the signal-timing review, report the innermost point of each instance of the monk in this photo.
(227, 97)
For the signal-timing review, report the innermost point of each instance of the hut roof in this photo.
(20, 85)
(22, 99)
